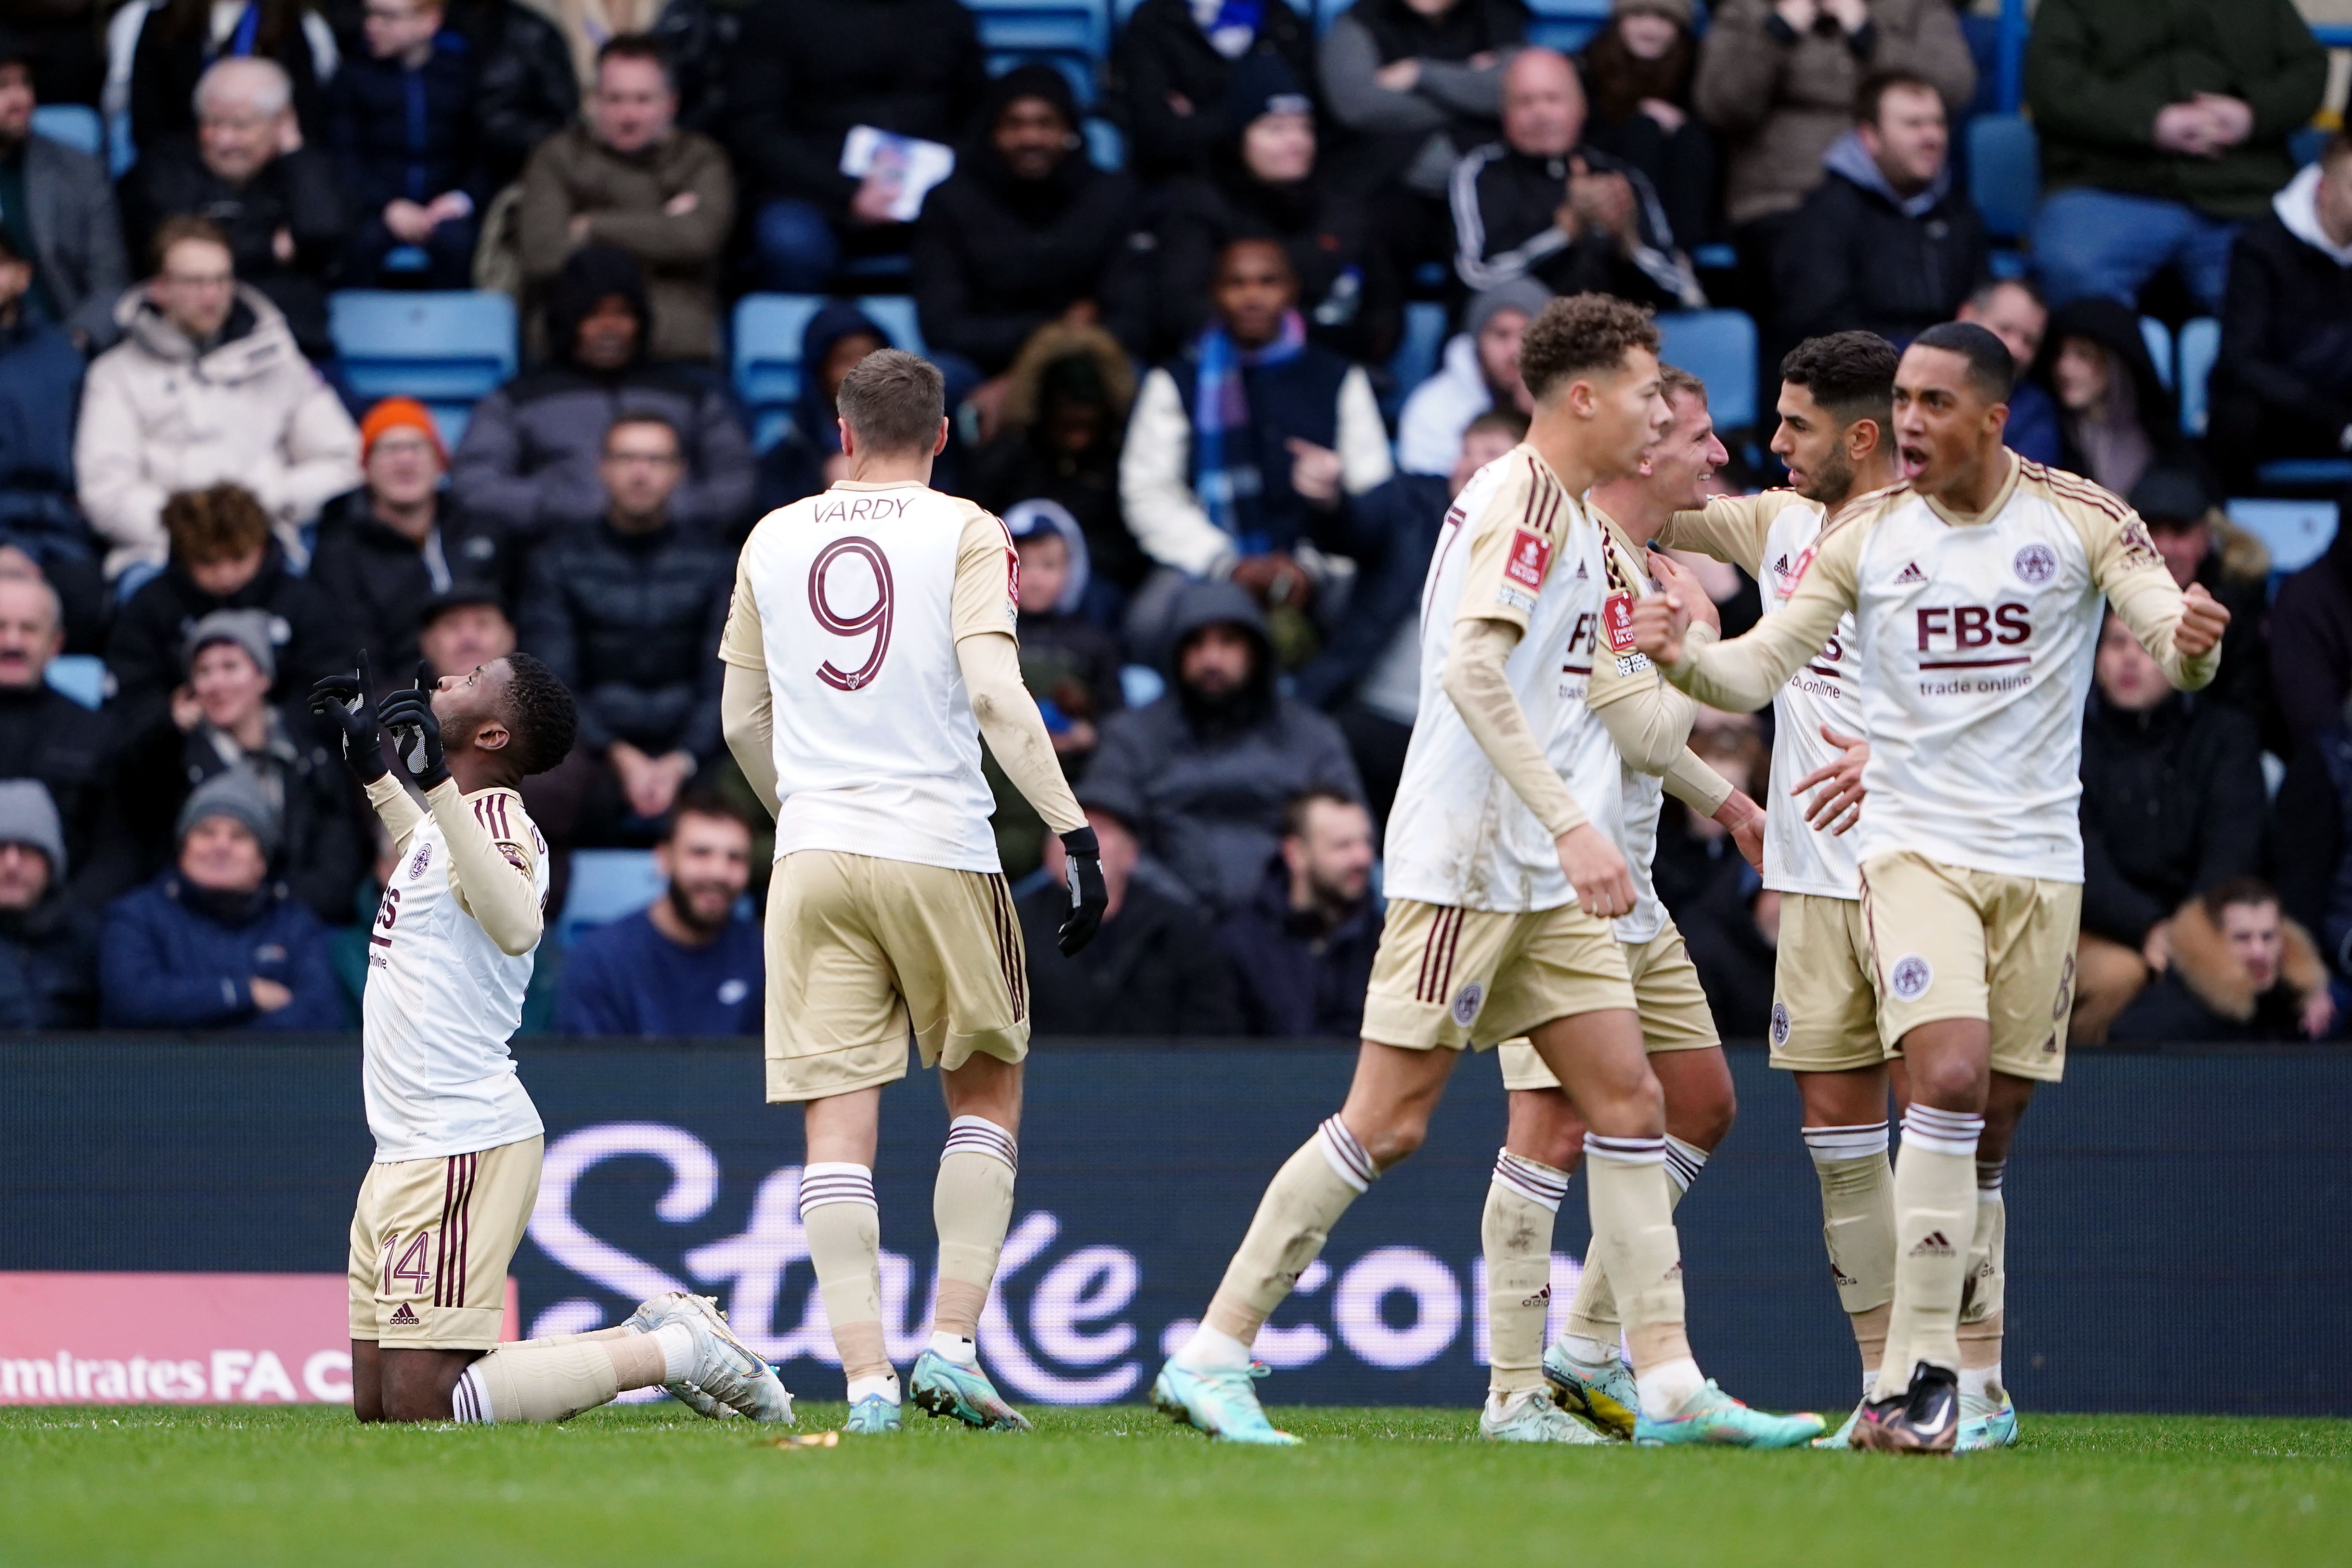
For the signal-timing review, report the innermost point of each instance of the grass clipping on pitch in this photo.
(653, 1485)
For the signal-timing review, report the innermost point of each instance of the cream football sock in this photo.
(1935, 1220)
(1858, 1227)
(556, 1379)
(1982, 1314)
(1306, 1199)
(845, 1241)
(1522, 1202)
(972, 1206)
(1593, 1330)
(1633, 1221)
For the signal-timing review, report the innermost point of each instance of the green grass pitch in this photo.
(651, 1484)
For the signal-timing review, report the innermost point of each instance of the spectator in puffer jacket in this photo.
(213, 943)
(1154, 968)
(628, 615)
(286, 220)
(207, 387)
(809, 71)
(1214, 763)
(399, 120)
(1540, 204)
(2172, 807)
(1172, 66)
(531, 452)
(1066, 405)
(1026, 232)
(392, 547)
(525, 89)
(2241, 971)
(1302, 947)
(1885, 244)
(2283, 384)
(223, 720)
(223, 557)
(629, 177)
(48, 944)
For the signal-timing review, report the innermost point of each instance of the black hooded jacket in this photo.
(997, 256)
(1212, 778)
(794, 468)
(2172, 806)
(1162, 52)
(529, 460)
(2311, 637)
(2115, 326)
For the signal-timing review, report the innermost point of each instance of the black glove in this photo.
(341, 701)
(1089, 897)
(416, 734)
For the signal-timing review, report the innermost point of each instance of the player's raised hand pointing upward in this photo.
(2203, 619)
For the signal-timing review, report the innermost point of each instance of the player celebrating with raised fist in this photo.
(1502, 880)
(869, 648)
(1976, 595)
(458, 1140)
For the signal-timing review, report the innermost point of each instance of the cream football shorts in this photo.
(1445, 977)
(865, 954)
(1949, 942)
(1667, 995)
(431, 1239)
(1824, 1008)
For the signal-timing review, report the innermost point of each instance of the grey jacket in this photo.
(77, 236)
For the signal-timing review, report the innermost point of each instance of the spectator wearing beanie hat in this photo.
(1172, 69)
(1267, 177)
(390, 547)
(48, 944)
(222, 721)
(223, 557)
(1026, 232)
(213, 943)
(1478, 372)
(529, 461)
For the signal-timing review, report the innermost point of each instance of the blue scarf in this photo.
(1229, 489)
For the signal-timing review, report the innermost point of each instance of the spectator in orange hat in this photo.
(396, 543)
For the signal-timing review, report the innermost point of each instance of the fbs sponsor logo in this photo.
(1935, 1244)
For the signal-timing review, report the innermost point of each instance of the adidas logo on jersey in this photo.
(1781, 567)
(1910, 574)
(1932, 1245)
(1582, 575)
(403, 1317)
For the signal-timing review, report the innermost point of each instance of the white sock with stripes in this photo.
(1857, 1183)
(1305, 1200)
(972, 1206)
(1935, 1221)
(1593, 1333)
(844, 1240)
(1522, 1201)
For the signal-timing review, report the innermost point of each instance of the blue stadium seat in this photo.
(1718, 346)
(1073, 34)
(767, 356)
(81, 676)
(2306, 472)
(2200, 346)
(2297, 532)
(75, 124)
(447, 350)
(2159, 338)
(1106, 144)
(605, 886)
(121, 153)
(2004, 174)
(1566, 24)
(1417, 354)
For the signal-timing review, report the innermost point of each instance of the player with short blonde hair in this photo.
(458, 1141)
(869, 647)
(1502, 877)
(1976, 594)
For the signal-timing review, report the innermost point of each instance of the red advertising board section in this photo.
(185, 1339)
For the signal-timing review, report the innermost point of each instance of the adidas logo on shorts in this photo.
(1932, 1245)
(403, 1317)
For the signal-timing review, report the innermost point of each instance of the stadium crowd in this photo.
(1175, 384)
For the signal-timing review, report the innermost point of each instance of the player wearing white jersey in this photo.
(869, 647)
(1976, 595)
(1836, 437)
(1610, 689)
(1502, 876)
(458, 1140)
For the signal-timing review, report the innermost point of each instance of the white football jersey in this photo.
(1973, 643)
(1772, 537)
(1516, 546)
(852, 601)
(1638, 799)
(443, 999)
